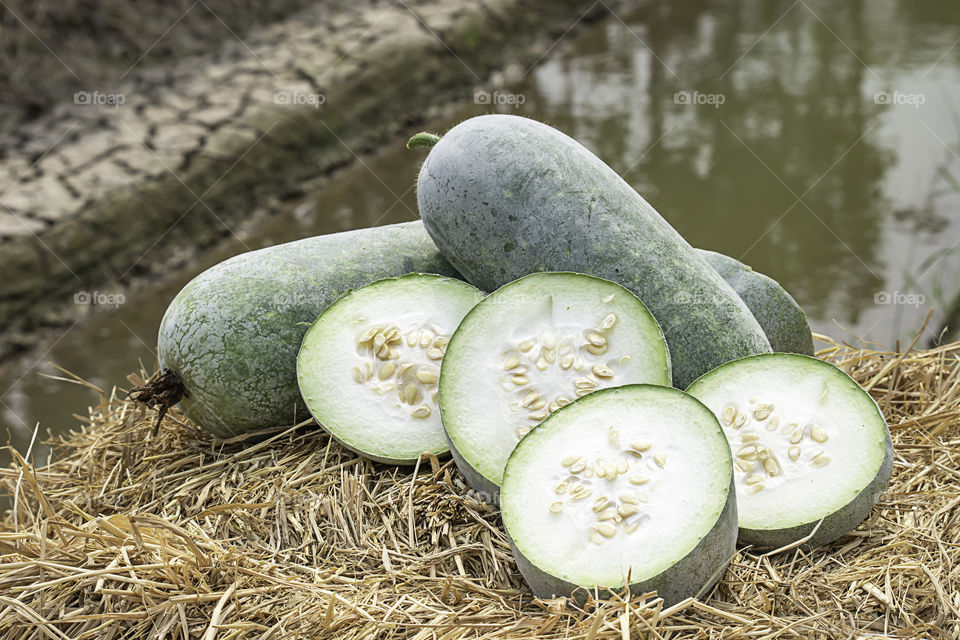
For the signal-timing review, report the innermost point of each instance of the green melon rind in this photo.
(783, 321)
(691, 576)
(838, 523)
(232, 333)
(486, 489)
(504, 196)
(367, 452)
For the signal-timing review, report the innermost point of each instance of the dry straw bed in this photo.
(287, 534)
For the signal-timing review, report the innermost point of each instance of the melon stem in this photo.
(422, 139)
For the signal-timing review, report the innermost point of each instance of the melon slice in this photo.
(531, 347)
(628, 486)
(809, 444)
(368, 367)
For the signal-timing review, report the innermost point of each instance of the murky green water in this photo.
(816, 141)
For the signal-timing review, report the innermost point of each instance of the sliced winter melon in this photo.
(627, 486)
(808, 444)
(531, 347)
(368, 367)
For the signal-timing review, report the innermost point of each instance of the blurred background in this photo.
(816, 141)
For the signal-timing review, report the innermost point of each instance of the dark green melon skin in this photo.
(504, 196)
(694, 575)
(783, 321)
(233, 333)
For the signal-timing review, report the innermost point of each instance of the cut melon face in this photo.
(531, 347)
(808, 444)
(627, 486)
(368, 367)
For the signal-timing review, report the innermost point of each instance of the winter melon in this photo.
(629, 486)
(781, 318)
(233, 332)
(812, 452)
(504, 196)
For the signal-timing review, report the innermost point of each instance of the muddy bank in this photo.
(120, 185)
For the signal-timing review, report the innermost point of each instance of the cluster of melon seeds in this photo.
(608, 491)
(369, 367)
(402, 362)
(769, 447)
(555, 367)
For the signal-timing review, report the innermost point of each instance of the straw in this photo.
(286, 534)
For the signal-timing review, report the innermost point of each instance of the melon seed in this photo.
(641, 445)
(602, 371)
(763, 412)
(423, 411)
(596, 339)
(818, 434)
(771, 466)
(596, 350)
(627, 510)
(610, 319)
(511, 362)
(426, 376)
(411, 393)
(748, 452)
(729, 414)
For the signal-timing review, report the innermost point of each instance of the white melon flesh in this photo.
(369, 366)
(531, 347)
(627, 486)
(809, 444)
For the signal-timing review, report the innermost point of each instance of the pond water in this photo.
(816, 141)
